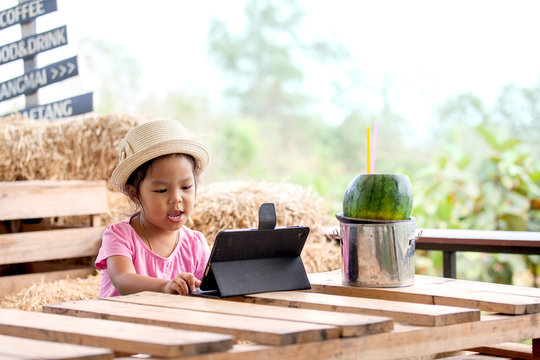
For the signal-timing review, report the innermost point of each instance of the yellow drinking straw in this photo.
(368, 153)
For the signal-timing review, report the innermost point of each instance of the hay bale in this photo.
(235, 205)
(79, 148)
(54, 292)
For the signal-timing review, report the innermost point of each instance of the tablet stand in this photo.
(249, 261)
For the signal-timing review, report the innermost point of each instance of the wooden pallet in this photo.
(290, 331)
(37, 245)
(118, 336)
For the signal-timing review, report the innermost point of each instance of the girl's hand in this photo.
(182, 284)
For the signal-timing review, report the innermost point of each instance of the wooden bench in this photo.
(36, 244)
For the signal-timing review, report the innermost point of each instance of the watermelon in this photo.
(378, 197)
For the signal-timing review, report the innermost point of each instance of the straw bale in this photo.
(34, 297)
(235, 205)
(79, 148)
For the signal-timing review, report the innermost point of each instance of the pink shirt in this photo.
(190, 255)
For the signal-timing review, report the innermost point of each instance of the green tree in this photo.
(265, 65)
(264, 62)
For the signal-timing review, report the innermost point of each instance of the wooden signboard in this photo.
(31, 45)
(76, 105)
(35, 79)
(25, 12)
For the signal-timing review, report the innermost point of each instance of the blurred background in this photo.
(284, 91)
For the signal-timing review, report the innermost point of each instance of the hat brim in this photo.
(126, 167)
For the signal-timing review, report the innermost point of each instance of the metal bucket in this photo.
(377, 253)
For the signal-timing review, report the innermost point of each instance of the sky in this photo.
(421, 51)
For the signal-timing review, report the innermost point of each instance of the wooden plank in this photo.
(474, 357)
(12, 347)
(48, 198)
(414, 314)
(508, 349)
(260, 330)
(402, 342)
(469, 285)
(115, 335)
(349, 324)
(15, 283)
(420, 292)
(50, 245)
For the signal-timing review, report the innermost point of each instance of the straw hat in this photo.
(153, 139)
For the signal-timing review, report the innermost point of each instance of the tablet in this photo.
(249, 261)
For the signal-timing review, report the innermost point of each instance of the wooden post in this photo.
(449, 264)
(27, 29)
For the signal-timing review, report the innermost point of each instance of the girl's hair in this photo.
(137, 176)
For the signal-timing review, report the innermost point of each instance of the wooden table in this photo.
(332, 321)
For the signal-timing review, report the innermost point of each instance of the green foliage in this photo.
(240, 137)
(263, 62)
(491, 192)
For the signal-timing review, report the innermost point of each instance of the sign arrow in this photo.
(71, 67)
(62, 70)
(54, 73)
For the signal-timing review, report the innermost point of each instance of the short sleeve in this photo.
(117, 239)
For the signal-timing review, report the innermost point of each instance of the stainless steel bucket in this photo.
(377, 253)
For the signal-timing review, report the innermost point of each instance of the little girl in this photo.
(152, 250)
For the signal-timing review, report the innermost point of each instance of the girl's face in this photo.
(167, 193)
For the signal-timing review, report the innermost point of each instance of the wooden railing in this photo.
(450, 241)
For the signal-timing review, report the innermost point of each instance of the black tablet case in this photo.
(249, 261)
